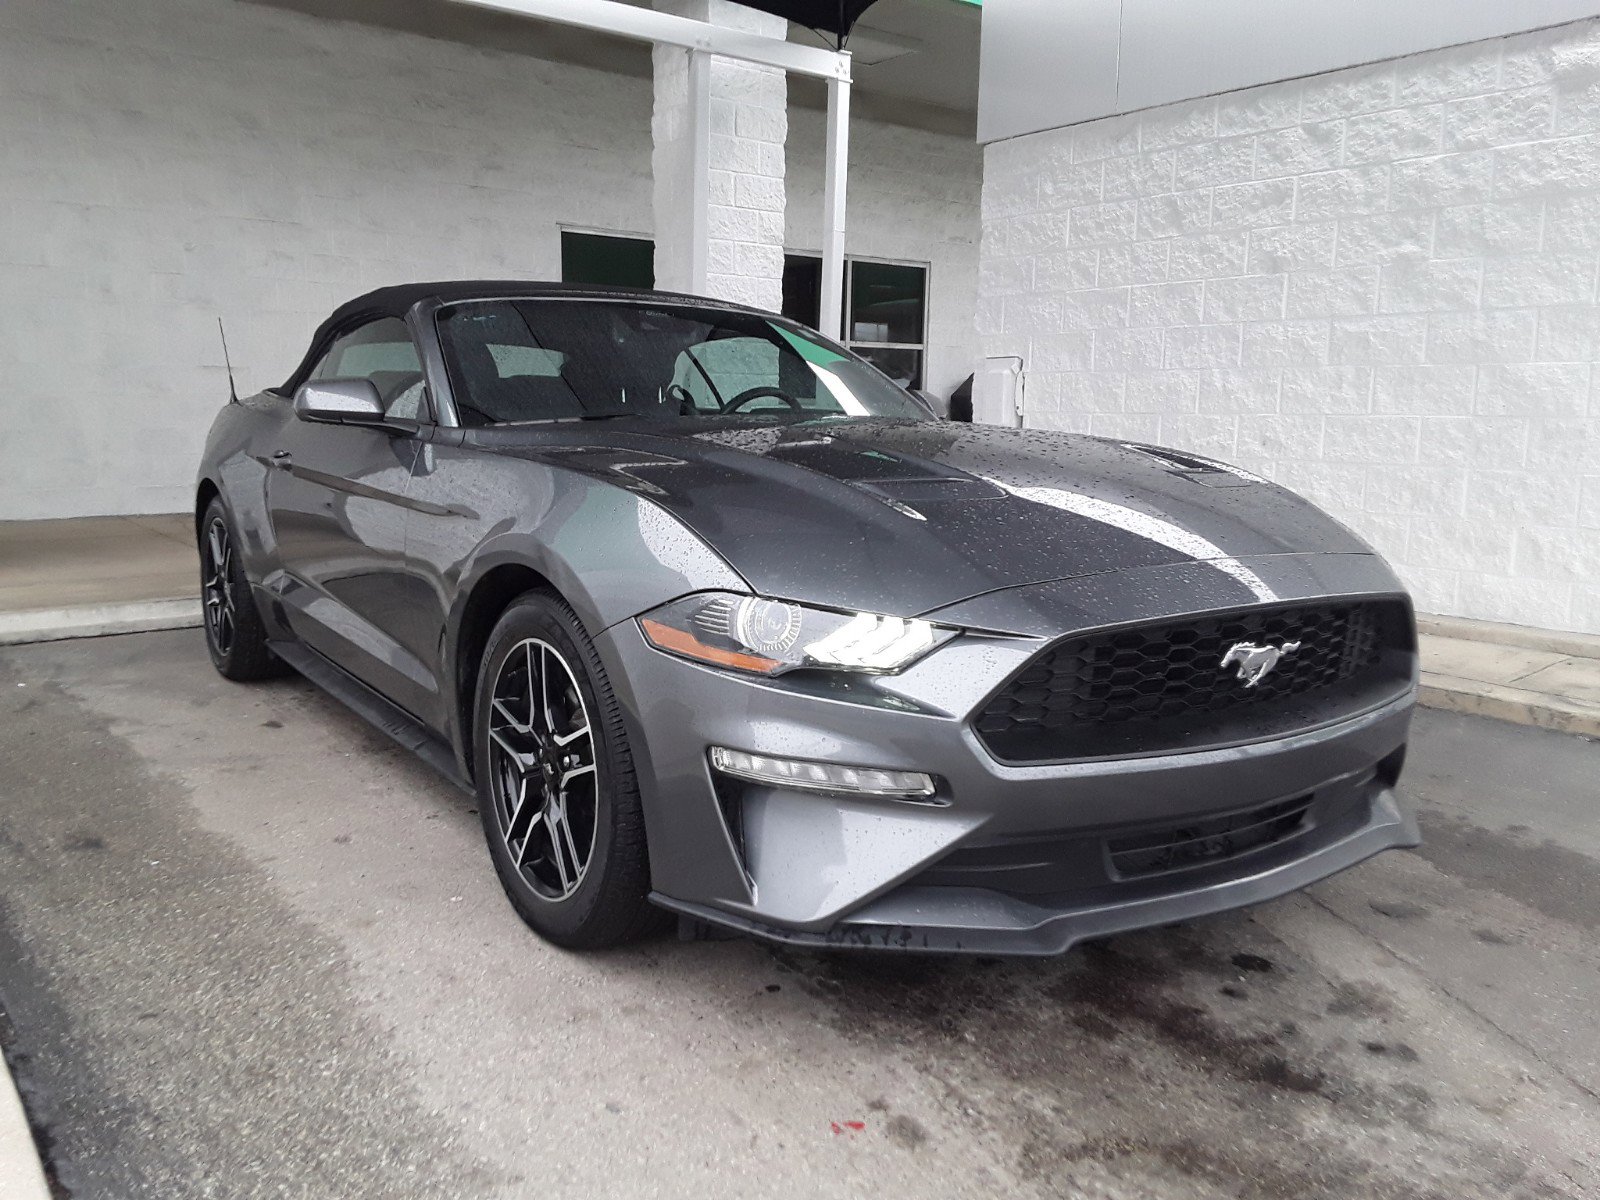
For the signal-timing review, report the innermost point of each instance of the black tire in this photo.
(235, 636)
(536, 844)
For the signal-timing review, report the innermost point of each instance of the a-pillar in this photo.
(718, 164)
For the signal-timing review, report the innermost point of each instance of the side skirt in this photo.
(377, 711)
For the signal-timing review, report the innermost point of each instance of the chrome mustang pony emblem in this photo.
(1256, 662)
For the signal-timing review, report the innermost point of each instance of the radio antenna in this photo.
(233, 394)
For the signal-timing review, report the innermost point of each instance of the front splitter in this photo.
(951, 920)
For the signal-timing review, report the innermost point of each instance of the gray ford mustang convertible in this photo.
(716, 619)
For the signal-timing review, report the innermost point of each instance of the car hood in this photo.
(907, 517)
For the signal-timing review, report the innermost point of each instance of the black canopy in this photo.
(825, 16)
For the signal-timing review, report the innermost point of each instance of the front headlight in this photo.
(768, 637)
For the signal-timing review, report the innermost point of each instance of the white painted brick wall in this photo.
(168, 162)
(1376, 286)
(744, 162)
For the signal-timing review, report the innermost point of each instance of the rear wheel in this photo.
(555, 781)
(235, 635)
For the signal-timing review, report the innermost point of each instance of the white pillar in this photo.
(831, 320)
(719, 127)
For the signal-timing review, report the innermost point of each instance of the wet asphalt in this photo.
(250, 948)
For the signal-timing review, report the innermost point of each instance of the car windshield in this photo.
(551, 360)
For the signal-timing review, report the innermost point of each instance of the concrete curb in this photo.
(21, 1173)
(97, 620)
(1505, 701)
(1578, 645)
(1560, 713)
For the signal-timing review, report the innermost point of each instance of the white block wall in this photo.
(1377, 286)
(744, 188)
(166, 162)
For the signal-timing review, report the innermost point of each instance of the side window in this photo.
(383, 352)
(501, 371)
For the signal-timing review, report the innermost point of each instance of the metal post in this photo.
(699, 170)
(833, 196)
(665, 29)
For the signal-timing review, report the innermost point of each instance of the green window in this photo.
(604, 258)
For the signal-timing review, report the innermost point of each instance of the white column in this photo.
(719, 129)
(836, 172)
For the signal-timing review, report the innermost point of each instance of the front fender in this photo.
(611, 555)
(609, 552)
(232, 463)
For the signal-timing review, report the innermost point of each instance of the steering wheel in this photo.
(760, 393)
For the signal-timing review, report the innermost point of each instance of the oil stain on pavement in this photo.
(1152, 1065)
(1297, 1050)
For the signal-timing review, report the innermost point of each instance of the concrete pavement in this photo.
(90, 576)
(96, 560)
(255, 949)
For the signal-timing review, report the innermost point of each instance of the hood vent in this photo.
(1190, 466)
(930, 487)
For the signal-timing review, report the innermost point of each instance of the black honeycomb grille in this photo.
(1164, 686)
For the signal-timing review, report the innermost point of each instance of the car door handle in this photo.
(282, 459)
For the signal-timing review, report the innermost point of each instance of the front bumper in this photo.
(981, 921)
(1015, 859)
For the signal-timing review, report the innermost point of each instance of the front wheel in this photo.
(555, 781)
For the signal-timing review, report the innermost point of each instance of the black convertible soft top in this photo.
(397, 300)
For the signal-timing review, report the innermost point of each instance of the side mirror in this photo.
(939, 408)
(339, 401)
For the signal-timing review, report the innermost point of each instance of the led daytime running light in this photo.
(823, 777)
(873, 643)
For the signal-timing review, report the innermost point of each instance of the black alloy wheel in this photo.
(556, 787)
(543, 774)
(216, 586)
